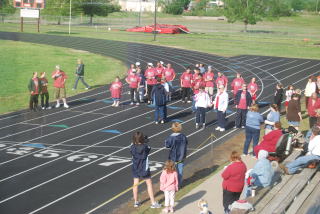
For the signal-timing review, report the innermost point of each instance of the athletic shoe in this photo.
(65, 105)
(189, 101)
(136, 204)
(86, 88)
(155, 205)
(203, 126)
(243, 127)
(58, 105)
(43, 108)
(284, 169)
(218, 128)
(156, 122)
(197, 125)
(131, 103)
(222, 129)
(162, 121)
(171, 209)
(137, 104)
(48, 107)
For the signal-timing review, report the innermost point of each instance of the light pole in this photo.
(139, 13)
(317, 6)
(70, 17)
(155, 21)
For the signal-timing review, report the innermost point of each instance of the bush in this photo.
(175, 7)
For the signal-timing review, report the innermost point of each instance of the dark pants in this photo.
(134, 91)
(229, 198)
(307, 102)
(201, 115)
(149, 87)
(221, 117)
(241, 117)
(186, 93)
(33, 104)
(312, 121)
(82, 80)
(45, 100)
(251, 134)
(160, 111)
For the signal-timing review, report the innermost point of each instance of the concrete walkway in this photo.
(210, 190)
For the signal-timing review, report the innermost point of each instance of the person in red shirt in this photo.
(196, 73)
(59, 78)
(313, 109)
(253, 88)
(233, 180)
(34, 87)
(132, 67)
(222, 80)
(134, 84)
(159, 69)
(209, 81)
(170, 75)
(44, 91)
(186, 84)
(150, 75)
(270, 140)
(242, 101)
(237, 84)
(197, 84)
(115, 89)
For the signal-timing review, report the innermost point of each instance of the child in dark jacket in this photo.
(177, 143)
(34, 87)
(44, 91)
(140, 168)
(278, 96)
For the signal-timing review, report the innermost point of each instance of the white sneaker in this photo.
(86, 88)
(58, 105)
(197, 125)
(189, 101)
(65, 105)
(131, 103)
(218, 128)
(49, 107)
(43, 108)
(137, 104)
(222, 129)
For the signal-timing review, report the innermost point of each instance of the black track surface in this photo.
(75, 168)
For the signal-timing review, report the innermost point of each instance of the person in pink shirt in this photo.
(115, 89)
(170, 75)
(209, 80)
(134, 84)
(150, 75)
(197, 83)
(196, 73)
(186, 84)
(313, 109)
(159, 69)
(253, 88)
(237, 84)
(132, 67)
(222, 80)
(169, 185)
(59, 79)
(242, 101)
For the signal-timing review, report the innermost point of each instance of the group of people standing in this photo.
(39, 86)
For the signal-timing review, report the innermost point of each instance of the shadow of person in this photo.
(190, 199)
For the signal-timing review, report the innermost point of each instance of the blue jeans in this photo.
(82, 80)
(221, 117)
(201, 115)
(251, 134)
(162, 111)
(301, 162)
(179, 167)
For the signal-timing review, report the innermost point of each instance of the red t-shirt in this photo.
(186, 79)
(130, 71)
(159, 71)
(237, 84)
(169, 74)
(115, 89)
(233, 177)
(59, 79)
(252, 87)
(223, 80)
(206, 76)
(243, 101)
(195, 76)
(312, 107)
(197, 84)
(150, 75)
(133, 80)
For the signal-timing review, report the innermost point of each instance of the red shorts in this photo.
(286, 103)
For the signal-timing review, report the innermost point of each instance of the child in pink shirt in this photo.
(115, 89)
(169, 185)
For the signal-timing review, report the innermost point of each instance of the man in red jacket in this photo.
(59, 78)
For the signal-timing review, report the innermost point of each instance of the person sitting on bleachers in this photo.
(313, 155)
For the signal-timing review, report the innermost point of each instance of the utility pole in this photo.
(70, 17)
(155, 21)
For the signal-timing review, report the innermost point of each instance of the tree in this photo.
(58, 8)
(175, 7)
(251, 11)
(6, 7)
(98, 7)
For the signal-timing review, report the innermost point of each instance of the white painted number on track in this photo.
(19, 151)
(50, 153)
(115, 160)
(81, 158)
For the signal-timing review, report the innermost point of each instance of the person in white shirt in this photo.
(221, 104)
(202, 102)
(303, 161)
(311, 87)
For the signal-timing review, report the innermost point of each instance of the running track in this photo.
(72, 161)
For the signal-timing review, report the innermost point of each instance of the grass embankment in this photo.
(19, 60)
(295, 36)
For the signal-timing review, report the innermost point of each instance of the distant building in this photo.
(137, 5)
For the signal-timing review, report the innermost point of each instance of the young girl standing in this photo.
(289, 93)
(44, 91)
(169, 185)
(116, 88)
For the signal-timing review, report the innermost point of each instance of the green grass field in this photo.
(19, 60)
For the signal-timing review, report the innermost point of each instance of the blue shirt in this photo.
(273, 116)
(254, 119)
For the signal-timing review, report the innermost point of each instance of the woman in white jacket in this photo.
(311, 87)
(221, 104)
(202, 102)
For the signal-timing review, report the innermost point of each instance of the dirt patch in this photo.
(197, 169)
(78, 51)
